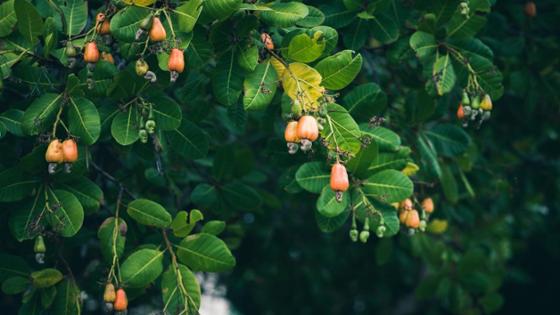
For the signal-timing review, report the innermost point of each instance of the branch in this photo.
(113, 179)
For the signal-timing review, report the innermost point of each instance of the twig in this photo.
(113, 179)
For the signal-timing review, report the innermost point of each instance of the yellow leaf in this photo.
(278, 66)
(303, 83)
(438, 226)
(410, 169)
(140, 3)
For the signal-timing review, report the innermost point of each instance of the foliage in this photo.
(382, 78)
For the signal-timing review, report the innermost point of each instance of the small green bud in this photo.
(150, 126)
(143, 135)
(380, 231)
(146, 23)
(475, 102)
(465, 100)
(141, 67)
(296, 108)
(354, 235)
(364, 235)
(422, 225)
(70, 50)
(39, 246)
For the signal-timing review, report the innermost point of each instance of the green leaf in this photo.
(124, 127)
(488, 76)
(29, 22)
(15, 185)
(149, 213)
(424, 44)
(110, 236)
(221, 9)
(337, 15)
(204, 195)
(102, 78)
(75, 13)
(312, 177)
(304, 48)
(384, 28)
(388, 186)
(248, 57)
(443, 74)
(184, 222)
(31, 306)
(340, 130)
(365, 101)
(205, 252)
(167, 112)
(84, 120)
(214, 227)
(449, 184)
(11, 266)
(8, 18)
(227, 79)
(127, 21)
(7, 60)
(67, 214)
(385, 138)
(24, 221)
(45, 278)
(142, 267)
(67, 300)
(15, 285)
(199, 51)
(390, 217)
(359, 165)
(87, 192)
(339, 70)
(429, 154)
(187, 14)
(328, 206)
(462, 26)
(329, 225)
(12, 120)
(357, 35)
(240, 196)
(40, 114)
(189, 141)
(175, 299)
(285, 14)
(443, 10)
(259, 87)
(329, 36)
(419, 106)
(385, 161)
(449, 140)
(47, 296)
(314, 18)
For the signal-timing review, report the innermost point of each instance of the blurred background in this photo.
(500, 252)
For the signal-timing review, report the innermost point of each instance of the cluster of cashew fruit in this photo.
(115, 300)
(410, 217)
(301, 134)
(474, 108)
(156, 32)
(59, 152)
(151, 26)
